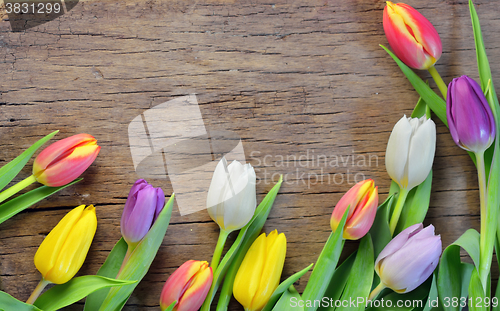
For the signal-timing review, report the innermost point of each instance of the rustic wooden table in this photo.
(291, 78)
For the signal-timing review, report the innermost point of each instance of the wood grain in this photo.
(289, 77)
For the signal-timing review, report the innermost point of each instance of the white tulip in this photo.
(410, 151)
(231, 199)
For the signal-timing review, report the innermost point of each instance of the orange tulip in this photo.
(362, 201)
(65, 160)
(412, 37)
(188, 285)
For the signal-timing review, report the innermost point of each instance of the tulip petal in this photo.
(178, 281)
(48, 252)
(247, 280)
(362, 221)
(421, 153)
(271, 273)
(195, 294)
(141, 217)
(75, 248)
(397, 151)
(396, 243)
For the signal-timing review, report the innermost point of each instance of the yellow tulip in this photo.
(260, 272)
(63, 251)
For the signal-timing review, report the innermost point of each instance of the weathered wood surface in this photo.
(288, 76)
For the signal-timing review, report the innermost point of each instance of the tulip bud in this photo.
(188, 285)
(63, 251)
(65, 160)
(410, 151)
(231, 199)
(144, 204)
(260, 271)
(412, 37)
(469, 115)
(409, 259)
(362, 202)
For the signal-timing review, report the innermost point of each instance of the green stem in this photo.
(485, 245)
(130, 250)
(439, 81)
(376, 291)
(218, 249)
(38, 290)
(7, 193)
(403, 193)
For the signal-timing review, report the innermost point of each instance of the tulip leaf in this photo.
(416, 205)
(325, 266)
(413, 300)
(11, 169)
(432, 299)
(171, 307)
(63, 295)
(290, 301)
(22, 202)
(360, 279)
(454, 275)
(109, 269)
(9, 303)
(477, 300)
(283, 287)
(232, 260)
(338, 281)
(435, 102)
(140, 260)
(380, 231)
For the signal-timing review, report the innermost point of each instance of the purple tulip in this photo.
(144, 204)
(469, 115)
(409, 259)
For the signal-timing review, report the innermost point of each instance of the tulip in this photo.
(469, 115)
(188, 286)
(409, 157)
(144, 204)
(231, 199)
(63, 251)
(412, 37)
(260, 271)
(410, 151)
(362, 202)
(408, 260)
(65, 160)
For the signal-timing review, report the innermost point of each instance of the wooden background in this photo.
(287, 76)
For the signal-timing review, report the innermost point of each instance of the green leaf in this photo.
(416, 205)
(11, 169)
(420, 108)
(9, 303)
(283, 287)
(476, 292)
(22, 202)
(432, 299)
(338, 282)
(290, 301)
(380, 231)
(140, 260)
(63, 295)
(434, 101)
(325, 266)
(360, 279)
(453, 274)
(171, 307)
(109, 269)
(232, 260)
(413, 300)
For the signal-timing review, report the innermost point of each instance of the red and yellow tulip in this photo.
(188, 285)
(65, 160)
(362, 202)
(412, 37)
